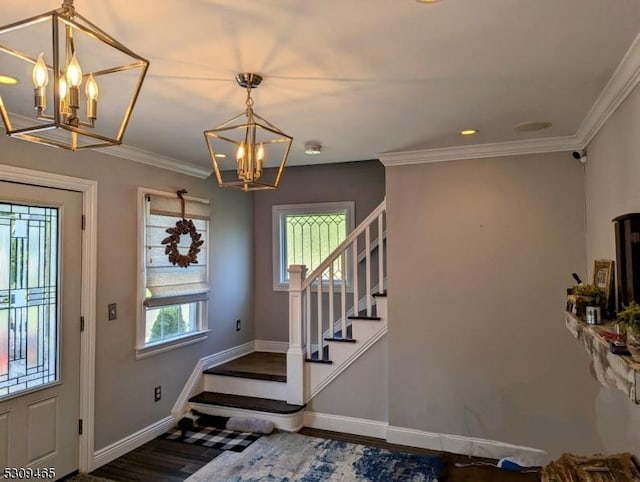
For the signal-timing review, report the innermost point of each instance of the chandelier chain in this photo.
(68, 8)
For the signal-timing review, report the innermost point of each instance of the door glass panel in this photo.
(28, 297)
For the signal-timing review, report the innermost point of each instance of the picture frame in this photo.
(603, 278)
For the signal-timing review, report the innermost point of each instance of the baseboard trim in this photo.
(271, 346)
(133, 441)
(472, 446)
(338, 423)
(193, 383)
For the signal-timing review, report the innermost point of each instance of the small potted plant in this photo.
(629, 320)
(587, 295)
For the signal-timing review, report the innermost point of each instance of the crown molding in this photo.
(479, 151)
(133, 154)
(622, 82)
(157, 160)
(624, 79)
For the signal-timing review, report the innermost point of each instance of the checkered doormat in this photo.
(214, 438)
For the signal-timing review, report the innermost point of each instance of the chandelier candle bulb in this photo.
(63, 91)
(40, 81)
(74, 79)
(92, 92)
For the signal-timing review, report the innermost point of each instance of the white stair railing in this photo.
(319, 298)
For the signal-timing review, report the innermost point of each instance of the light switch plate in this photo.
(113, 311)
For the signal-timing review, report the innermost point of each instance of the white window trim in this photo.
(146, 350)
(277, 211)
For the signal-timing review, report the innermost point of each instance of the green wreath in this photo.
(183, 227)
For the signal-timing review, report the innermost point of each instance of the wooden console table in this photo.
(619, 371)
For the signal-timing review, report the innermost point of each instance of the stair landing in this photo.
(256, 365)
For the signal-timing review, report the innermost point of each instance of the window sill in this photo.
(172, 344)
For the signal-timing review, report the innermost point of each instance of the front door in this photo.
(40, 282)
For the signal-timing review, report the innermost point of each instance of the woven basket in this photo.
(596, 468)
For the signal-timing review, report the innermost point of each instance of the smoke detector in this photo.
(312, 149)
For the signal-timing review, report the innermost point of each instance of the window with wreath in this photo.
(306, 234)
(174, 281)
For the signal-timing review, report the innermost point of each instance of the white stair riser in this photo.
(245, 386)
(288, 422)
(381, 303)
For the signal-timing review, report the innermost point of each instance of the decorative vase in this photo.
(581, 305)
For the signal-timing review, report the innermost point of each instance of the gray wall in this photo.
(124, 385)
(613, 188)
(361, 182)
(361, 391)
(480, 255)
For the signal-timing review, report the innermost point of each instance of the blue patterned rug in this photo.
(289, 457)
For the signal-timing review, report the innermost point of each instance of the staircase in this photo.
(336, 313)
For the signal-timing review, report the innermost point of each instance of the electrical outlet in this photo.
(237, 325)
(157, 393)
(113, 311)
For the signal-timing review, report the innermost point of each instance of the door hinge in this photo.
(84, 222)
(82, 323)
(80, 427)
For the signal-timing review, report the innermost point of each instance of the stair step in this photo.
(271, 367)
(325, 356)
(315, 360)
(242, 374)
(380, 295)
(340, 339)
(246, 403)
(373, 318)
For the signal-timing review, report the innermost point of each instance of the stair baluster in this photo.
(324, 311)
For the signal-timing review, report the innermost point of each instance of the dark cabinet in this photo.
(627, 228)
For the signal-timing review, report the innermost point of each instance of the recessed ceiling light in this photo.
(532, 126)
(5, 79)
(427, 1)
(468, 132)
(220, 156)
(312, 149)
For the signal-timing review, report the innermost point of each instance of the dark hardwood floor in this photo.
(170, 461)
(158, 461)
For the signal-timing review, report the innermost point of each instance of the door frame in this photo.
(89, 190)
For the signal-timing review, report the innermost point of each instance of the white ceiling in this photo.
(362, 77)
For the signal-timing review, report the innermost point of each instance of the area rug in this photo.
(86, 478)
(292, 457)
(214, 438)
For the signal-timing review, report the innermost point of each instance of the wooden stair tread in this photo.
(315, 360)
(380, 295)
(372, 318)
(340, 339)
(246, 403)
(243, 374)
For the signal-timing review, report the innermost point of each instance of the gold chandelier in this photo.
(54, 55)
(249, 142)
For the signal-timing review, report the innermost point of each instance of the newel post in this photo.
(295, 354)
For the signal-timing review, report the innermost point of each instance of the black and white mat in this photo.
(214, 438)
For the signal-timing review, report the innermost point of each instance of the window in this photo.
(173, 299)
(307, 234)
(28, 297)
